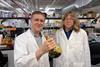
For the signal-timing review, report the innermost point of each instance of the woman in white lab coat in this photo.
(74, 44)
(31, 48)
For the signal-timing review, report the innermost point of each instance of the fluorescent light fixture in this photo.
(41, 8)
(77, 4)
(2, 5)
(70, 7)
(5, 3)
(49, 9)
(81, 3)
(18, 9)
(46, 9)
(5, 10)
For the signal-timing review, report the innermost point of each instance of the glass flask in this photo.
(56, 52)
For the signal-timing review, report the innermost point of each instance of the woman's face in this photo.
(68, 22)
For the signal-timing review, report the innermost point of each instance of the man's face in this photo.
(37, 22)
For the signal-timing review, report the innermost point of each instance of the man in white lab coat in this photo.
(31, 48)
(74, 44)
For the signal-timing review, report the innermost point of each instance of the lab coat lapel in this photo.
(64, 35)
(72, 35)
(43, 37)
(32, 38)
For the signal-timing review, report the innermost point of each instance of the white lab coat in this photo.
(24, 52)
(75, 51)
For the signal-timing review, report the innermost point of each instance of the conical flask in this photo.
(56, 52)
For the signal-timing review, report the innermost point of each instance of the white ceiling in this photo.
(31, 5)
(96, 9)
(42, 4)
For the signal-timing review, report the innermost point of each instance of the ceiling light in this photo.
(6, 4)
(81, 3)
(77, 4)
(2, 5)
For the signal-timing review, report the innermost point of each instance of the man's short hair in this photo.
(38, 12)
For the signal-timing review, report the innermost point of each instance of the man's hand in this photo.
(48, 45)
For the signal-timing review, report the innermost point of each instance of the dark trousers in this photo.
(3, 60)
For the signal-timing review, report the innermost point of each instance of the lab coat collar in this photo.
(64, 35)
(31, 35)
(40, 35)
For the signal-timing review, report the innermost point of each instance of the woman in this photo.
(74, 43)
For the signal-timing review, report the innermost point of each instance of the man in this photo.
(31, 48)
